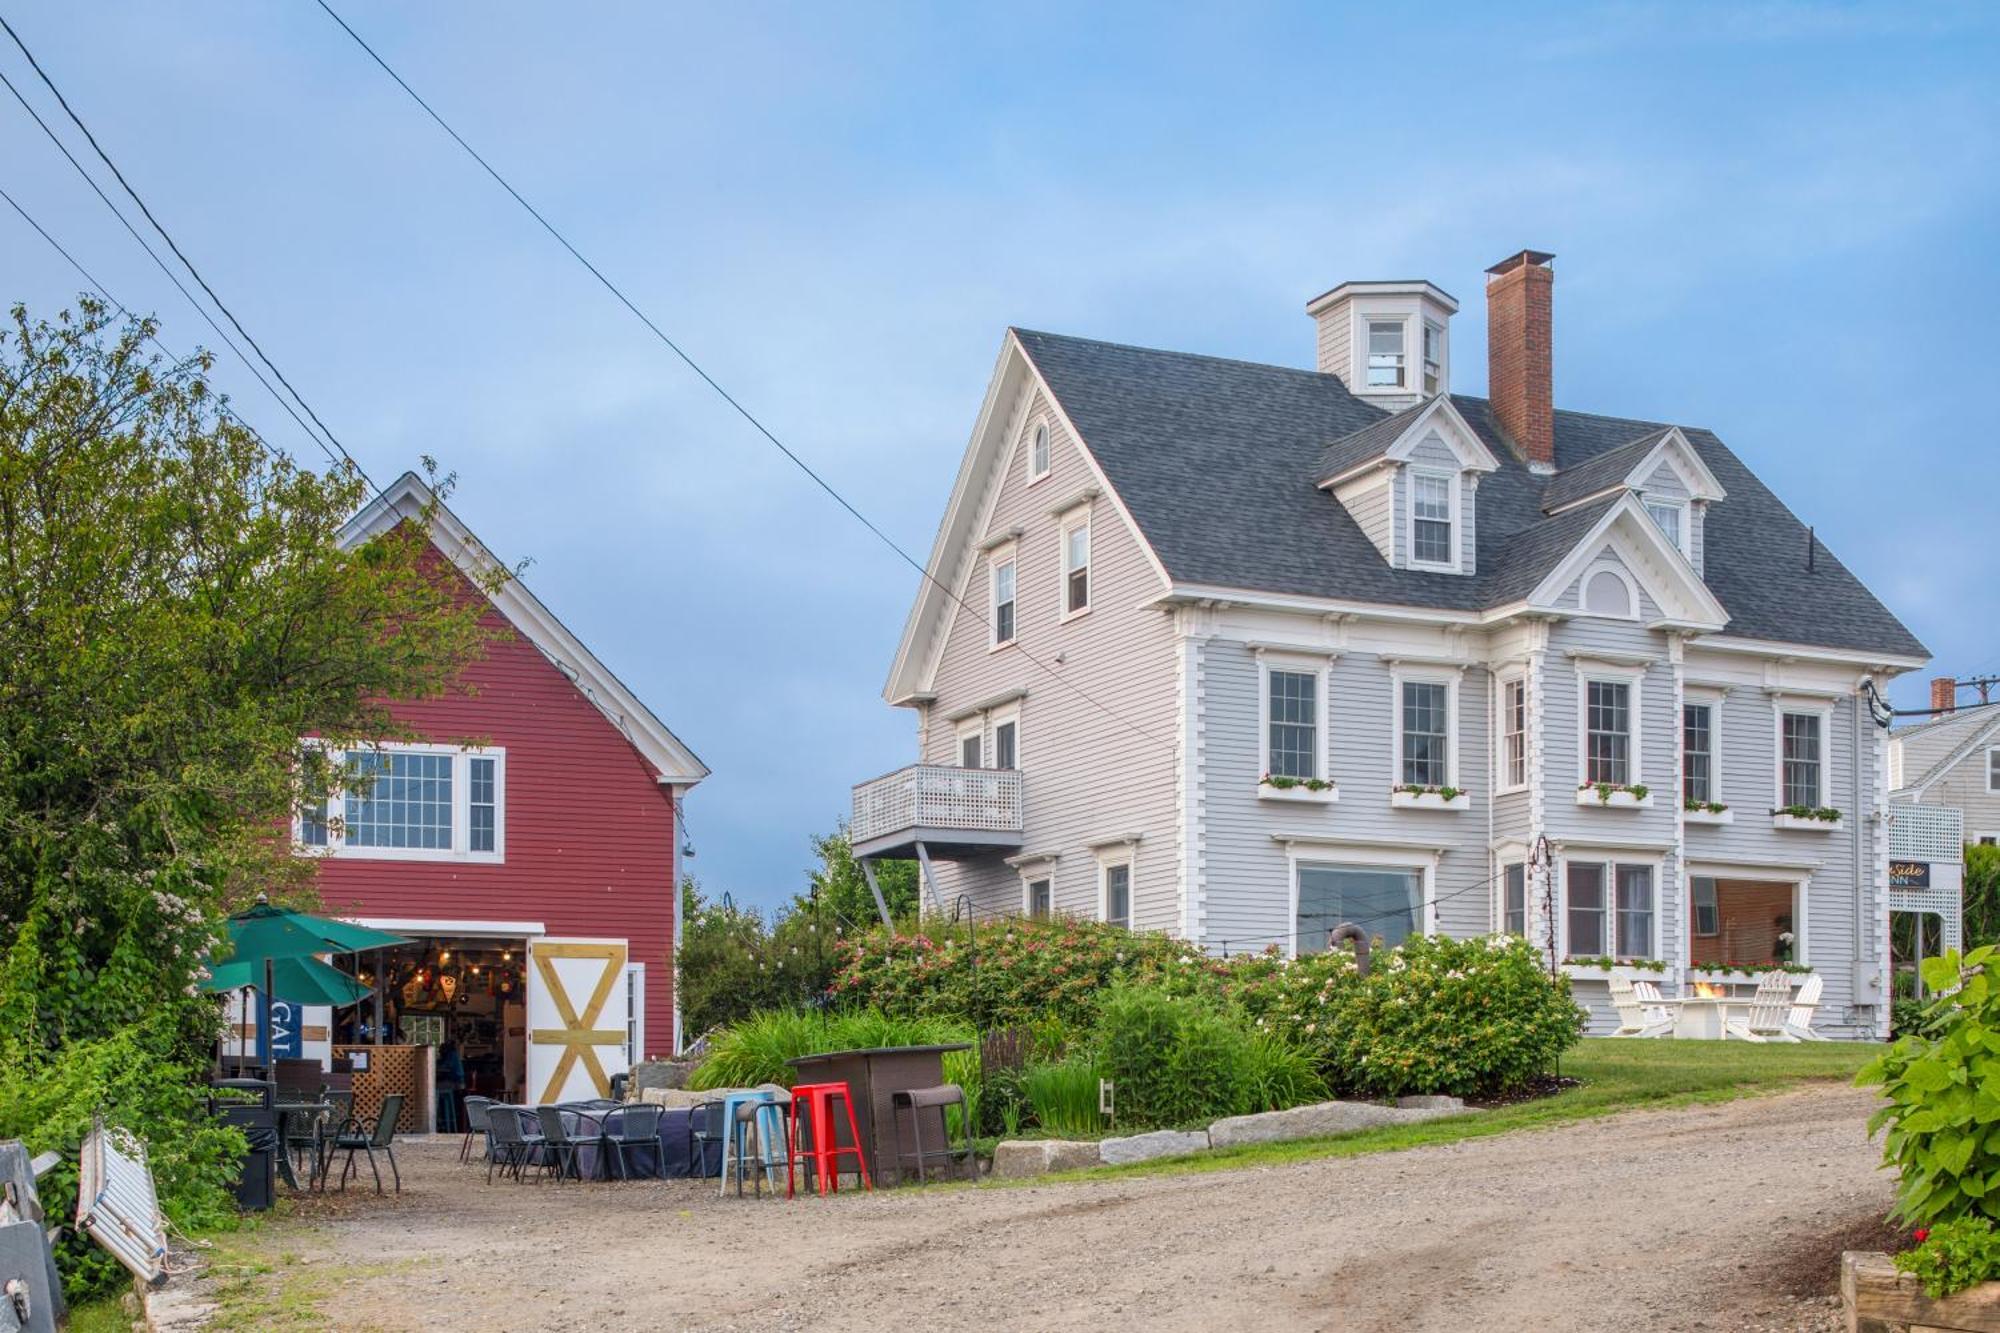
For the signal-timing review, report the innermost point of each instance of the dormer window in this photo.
(1431, 518)
(1672, 516)
(1433, 358)
(1385, 354)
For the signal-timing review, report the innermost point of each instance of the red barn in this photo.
(528, 845)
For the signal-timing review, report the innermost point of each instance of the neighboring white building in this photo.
(1951, 759)
(1239, 652)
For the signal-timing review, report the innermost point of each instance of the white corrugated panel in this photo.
(116, 1205)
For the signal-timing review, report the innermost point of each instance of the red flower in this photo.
(1920, 1235)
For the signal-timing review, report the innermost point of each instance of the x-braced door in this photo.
(574, 1045)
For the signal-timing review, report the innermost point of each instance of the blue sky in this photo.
(1773, 220)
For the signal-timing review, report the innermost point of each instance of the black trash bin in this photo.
(247, 1103)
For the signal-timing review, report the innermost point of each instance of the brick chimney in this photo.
(1944, 694)
(1520, 369)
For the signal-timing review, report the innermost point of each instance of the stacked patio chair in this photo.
(513, 1145)
(1770, 1008)
(560, 1143)
(475, 1124)
(370, 1137)
(1637, 1017)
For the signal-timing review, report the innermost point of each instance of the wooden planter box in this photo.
(1878, 1299)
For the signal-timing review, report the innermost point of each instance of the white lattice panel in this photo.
(1933, 834)
(937, 796)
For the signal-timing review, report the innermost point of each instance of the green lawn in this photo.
(1617, 1076)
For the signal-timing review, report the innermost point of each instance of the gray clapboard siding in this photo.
(1088, 776)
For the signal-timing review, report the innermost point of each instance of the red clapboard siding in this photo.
(589, 832)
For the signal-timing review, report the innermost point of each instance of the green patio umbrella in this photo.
(263, 936)
(300, 980)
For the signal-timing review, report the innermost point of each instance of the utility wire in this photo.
(158, 262)
(708, 379)
(171, 243)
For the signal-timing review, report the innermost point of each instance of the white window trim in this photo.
(1335, 853)
(1424, 328)
(635, 1018)
(1316, 667)
(1412, 364)
(1124, 854)
(1805, 708)
(1624, 577)
(1455, 489)
(1501, 784)
(1684, 543)
(1009, 714)
(1986, 839)
(1991, 750)
(1449, 679)
(1801, 895)
(1634, 746)
(1509, 862)
(1611, 860)
(1043, 873)
(970, 727)
(996, 560)
(1070, 523)
(1712, 701)
(1040, 428)
(461, 810)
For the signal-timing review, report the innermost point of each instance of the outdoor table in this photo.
(874, 1076)
(674, 1157)
(285, 1112)
(1705, 1017)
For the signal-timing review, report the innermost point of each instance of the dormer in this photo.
(1410, 481)
(1663, 470)
(1388, 342)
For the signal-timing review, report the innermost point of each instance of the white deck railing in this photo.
(937, 796)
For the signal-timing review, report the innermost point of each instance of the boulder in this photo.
(1145, 1147)
(659, 1074)
(1309, 1122)
(676, 1099)
(1435, 1105)
(1017, 1159)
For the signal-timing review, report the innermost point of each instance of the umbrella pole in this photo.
(270, 1043)
(379, 982)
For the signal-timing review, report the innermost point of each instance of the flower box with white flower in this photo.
(1312, 791)
(1707, 812)
(1615, 796)
(1413, 797)
(1799, 818)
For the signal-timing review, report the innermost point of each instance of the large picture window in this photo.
(407, 802)
(1385, 901)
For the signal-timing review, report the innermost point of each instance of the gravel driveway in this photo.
(1685, 1219)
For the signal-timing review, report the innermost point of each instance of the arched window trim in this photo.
(1631, 591)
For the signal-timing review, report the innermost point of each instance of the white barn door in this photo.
(576, 1018)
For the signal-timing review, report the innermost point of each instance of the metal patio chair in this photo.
(380, 1135)
(513, 1145)
(475, 1124)
(638, 1126)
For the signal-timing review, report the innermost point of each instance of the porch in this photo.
(935, 810)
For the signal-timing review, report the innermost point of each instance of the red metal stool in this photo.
(814, 1102)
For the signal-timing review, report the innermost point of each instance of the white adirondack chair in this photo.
(1770, 1007)
(1799, 1022)
(1636, 1018)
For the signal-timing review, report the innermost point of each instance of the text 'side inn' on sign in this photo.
(1909, 874)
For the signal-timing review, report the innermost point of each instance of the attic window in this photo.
(1606, 593)
(1385, 354)
(1038, 452)
(1672, 517)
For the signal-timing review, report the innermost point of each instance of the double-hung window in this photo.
(1993, 769)
(1430, 518)
(409, 802)
(1006, 744)
(1117, 889)
(1801, 738)
(1003, 603)
(1609, 909)
(1433, 358)
(1607, 754)
(1425, 758)
(971, 749)
(1514, 899)
(1514, 732)
(1040, 900)
(1076, 567)
(1292, 727)
(1672, 518)
(1385, 354)
(1698, 754)
(1707, 912)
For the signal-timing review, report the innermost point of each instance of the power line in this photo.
(171, 243)
(708, 379)
(158, 262)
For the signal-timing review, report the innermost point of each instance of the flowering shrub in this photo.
(1462, 1017)
(1952, 1255)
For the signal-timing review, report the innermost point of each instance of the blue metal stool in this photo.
(764, 1110)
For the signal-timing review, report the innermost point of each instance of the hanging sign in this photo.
(1909, 874)
(284, 1038)
(447, 985)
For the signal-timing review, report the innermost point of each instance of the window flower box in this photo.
(1429, 798)
(1614, 797)
(1707, 812)
(1311, 791)
(1604, 969)
(1824, 819)
(1742, 974)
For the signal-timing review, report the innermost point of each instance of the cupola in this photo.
(1388, 342)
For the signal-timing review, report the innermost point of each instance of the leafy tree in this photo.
(1982, 895)
(843, 888)
(175, 613)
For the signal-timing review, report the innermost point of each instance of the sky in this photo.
(1774, 220)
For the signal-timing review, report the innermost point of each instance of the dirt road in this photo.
(1687, 1219)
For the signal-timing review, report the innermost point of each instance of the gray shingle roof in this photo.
(1367, 444)
(1606, 470)
(1217, 462)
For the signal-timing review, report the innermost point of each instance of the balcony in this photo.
(955, 813)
